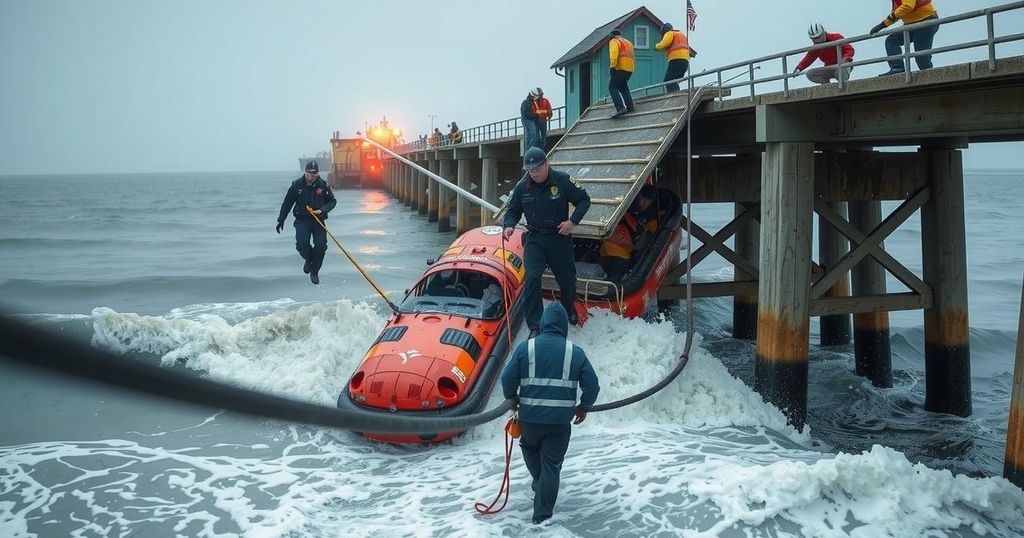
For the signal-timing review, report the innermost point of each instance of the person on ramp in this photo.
(309, 190)
(544, 199)
(543, 376)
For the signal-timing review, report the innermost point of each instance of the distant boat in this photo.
(322, 158)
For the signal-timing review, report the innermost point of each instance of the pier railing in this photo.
(510, 128)
(781, 59)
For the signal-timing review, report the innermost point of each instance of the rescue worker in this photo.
(618, 251)
(542, 376)
(542, 107)
(544, 198)
(531, 121)
(312, 191)
(677, 47)
(620, 52)
(827, 55)
(909, 11)
(454, 134)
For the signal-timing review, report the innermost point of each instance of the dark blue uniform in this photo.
(317, 196)
(544, 373)
(545, 206)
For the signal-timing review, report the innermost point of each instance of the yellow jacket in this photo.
(620, 52)
(680, 53)
(910, 11)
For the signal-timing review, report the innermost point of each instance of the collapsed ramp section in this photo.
(612, 158)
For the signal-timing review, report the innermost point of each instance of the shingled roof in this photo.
(593, 42)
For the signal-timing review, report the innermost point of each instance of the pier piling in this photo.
(835, 329)
(744, 307)
(783, 317)
(872, 348)
(432, 191)
(1013, 465)
(444, 221)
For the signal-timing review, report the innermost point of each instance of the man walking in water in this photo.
(312, 191)
(542, 376)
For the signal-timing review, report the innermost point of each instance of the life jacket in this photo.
(679, 43)
(620, 243)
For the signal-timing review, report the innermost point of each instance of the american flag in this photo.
(691, 17)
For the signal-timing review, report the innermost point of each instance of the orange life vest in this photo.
(625, 47)
(679, 42)
(620, 243)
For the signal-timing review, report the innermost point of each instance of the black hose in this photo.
(40, 348)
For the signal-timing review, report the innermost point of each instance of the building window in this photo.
(572, 80)
(642, 39)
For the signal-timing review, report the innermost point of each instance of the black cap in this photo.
(649, 191)
(534, 157)
(666, 27)
(311, 166)
(615, 32)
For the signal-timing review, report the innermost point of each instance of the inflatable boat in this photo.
(637, 291)
(442, 352)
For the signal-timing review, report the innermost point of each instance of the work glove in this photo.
(280, 226)
(796, 70)
(878, 28)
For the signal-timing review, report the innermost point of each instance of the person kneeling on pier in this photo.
(824, 75)
(631, 236)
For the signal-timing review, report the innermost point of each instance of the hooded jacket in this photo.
(546, 371)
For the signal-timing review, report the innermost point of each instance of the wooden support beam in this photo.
(870, 243)
(444, 194)
(872, 348)
(904, 275)
(489, 186)
(835, 329)
(865, 304)
(434, 166)
(783, 318)
(744, 306)
(944, 249)
(716, 243)
(709, 289)
(1013, 464)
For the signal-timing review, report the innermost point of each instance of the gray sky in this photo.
(190, 85)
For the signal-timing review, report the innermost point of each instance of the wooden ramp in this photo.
(612, 158)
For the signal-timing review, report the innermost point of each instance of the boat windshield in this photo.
(461, 292)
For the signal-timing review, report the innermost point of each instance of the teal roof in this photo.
(593, 42)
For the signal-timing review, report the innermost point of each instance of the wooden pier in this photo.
(783, 158)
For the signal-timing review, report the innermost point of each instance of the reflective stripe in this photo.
(548, 382)
(547, 403)
(567, 361)
(532, 357)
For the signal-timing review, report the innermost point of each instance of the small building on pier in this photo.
(585, 65)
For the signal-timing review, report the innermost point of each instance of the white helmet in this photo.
(816, 31)
(533, 93)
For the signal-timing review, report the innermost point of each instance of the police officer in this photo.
(544, 198)
(543, 375)
(309, 190)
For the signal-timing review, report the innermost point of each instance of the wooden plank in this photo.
(709, 289)
(887, 302)
(607, 161)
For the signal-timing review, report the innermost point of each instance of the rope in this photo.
(512, 433)
(353, 260)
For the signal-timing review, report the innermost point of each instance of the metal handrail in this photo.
(498, 130)
(990, 42)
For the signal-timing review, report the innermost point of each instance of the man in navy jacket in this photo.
(543, 375)
(311, 191)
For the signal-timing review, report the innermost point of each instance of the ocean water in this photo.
(186, 271)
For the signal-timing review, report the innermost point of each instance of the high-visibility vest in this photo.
(620, 243)
(679, 42)
(625, 47)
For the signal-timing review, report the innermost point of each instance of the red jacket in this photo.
(542, 107)
(827, 55)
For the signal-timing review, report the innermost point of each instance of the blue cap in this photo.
(311, 166)
(615, 31)
(666, 27)
(534, 157)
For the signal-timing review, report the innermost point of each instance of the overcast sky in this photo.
(190, 85)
